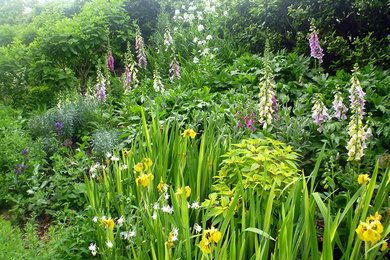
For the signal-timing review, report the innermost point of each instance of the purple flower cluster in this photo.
(140, 49)
(130, 76)
(59, 127)
(19, 168)
(357, 96)
(101, 87)
(339, 107)
(319, 114)
(249, 122)
(25, 152)
(110, 60)
(246, 118)
(316, 50)
(101, 94)
(274, 106)
(174, 67)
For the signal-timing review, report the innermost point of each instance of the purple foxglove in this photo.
(339, 107)
(356, 130)
(316, 50)
(174, 68)
(319, 113)
(110, 60)
(140, 50)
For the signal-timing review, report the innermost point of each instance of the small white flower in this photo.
(154, 216)
(175, 231)
(167, 209)
(94, 219)
(177, 12)
(109, 244)
(195, 205)
(156, 206)
(183, 7)
(205, 52)
(92, 169)
(92, 248)
(124, 235)
(165, 188)
(188, 205)
(166, 196)
(198, 228)
(225, 13)
(124, 167)
(108, 155)
(185, 17)
(103, 217)
(114, 158)
(209, 37)
(174, 237)
(196, 60)
(93, 176)
(200, 27)
(202, 42)
(132, 233)
(120, 220)
(199, 15)
(195, 39)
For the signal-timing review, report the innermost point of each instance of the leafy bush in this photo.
(19, 155)
(77, 119)
(60, 242)
(258, 164)
(104, 141)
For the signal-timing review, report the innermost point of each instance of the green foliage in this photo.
(12, 245)
(345, 27)
(16, 166)
(145, 12)
(38, 97)
(78, 118)
(104, 141)
(58, 242)
(253, 194)
(259, 163)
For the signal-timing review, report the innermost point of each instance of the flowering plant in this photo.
(316, 50)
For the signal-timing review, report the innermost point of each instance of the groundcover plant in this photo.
(145, 129)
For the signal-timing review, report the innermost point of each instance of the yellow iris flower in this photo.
(139, 167)
(162, 186)
(205, 246)
(180, 191)
(189, 132)
(147, 163)
(210, 237)
(384, 246)
(371, 230)
(363, 178)
(144, 179)
(108, 223)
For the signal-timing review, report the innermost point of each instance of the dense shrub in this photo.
(20, 157)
